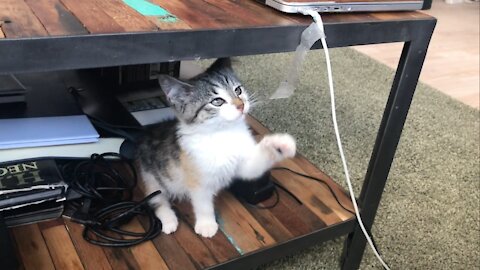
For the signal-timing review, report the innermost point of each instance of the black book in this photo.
(28, 175)
(33, 213)
(30, 182)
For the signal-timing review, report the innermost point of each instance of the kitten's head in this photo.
(214, 96)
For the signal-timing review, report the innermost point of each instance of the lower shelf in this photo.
(248, 236)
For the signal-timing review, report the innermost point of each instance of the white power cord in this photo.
(318, 20)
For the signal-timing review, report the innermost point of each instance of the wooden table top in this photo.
(41, 18)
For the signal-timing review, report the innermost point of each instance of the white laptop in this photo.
(295, 6)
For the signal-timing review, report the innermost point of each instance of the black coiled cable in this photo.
(105, 204)
(111, 218)
(98, 179)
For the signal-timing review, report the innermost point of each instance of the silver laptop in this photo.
(296, 6)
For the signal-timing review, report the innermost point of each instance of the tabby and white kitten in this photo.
(199, 154)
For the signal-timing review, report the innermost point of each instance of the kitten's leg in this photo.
(271, 149)
(202, 202)
(163, 209)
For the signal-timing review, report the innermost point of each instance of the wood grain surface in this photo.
(129, 19)
(60, 245)
(95, 19)
(36, 18)
(93, 257)
(146, 254)
(19, 20)
(55, 17)
(32, 247)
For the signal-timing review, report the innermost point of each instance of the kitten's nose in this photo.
(239, 104)
(240, 107)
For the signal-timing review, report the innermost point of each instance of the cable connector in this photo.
(81, 218)
(318, 20)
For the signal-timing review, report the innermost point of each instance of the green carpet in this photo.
(429, 214)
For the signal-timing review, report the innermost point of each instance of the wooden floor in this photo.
(452, 65)
(244, 229)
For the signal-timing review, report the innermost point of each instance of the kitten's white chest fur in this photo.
(218, 153)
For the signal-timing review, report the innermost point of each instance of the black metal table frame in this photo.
(89, 51)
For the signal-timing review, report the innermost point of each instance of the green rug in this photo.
(429, 214)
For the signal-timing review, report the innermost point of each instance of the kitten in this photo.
(199, 154)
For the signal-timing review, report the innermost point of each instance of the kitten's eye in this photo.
(238, 90)
(218, 102)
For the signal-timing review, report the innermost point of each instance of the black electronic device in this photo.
(11, 90)
(253, 191)
(132, 77)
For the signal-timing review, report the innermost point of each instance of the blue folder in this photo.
(44, 131)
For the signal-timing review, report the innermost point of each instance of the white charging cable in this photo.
(319, 23)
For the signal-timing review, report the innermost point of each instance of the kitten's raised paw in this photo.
(282, 145)
(206, 228)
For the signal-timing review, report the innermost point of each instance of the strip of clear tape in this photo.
(287, 87)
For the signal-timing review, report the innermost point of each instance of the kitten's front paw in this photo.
(282, 146)
(206, 228)
(169, 220)
(170, 226)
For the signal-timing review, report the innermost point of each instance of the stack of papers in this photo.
(45, 131)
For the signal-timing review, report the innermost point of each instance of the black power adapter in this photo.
(253, 191)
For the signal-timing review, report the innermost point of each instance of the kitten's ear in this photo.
(221, 64)
(173, 87)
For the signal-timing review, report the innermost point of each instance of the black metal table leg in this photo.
(395, 114)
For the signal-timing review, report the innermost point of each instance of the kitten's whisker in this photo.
(257, 103)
